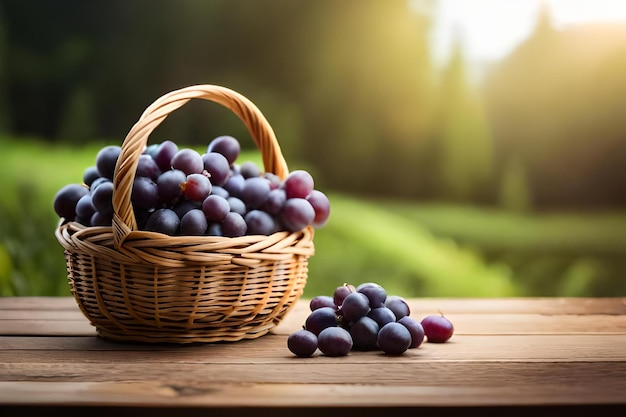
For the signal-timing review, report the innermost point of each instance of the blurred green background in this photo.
(448, 175)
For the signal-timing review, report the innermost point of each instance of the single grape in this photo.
(147, 167)
(66, 199)
(214, 229)
(249, 169)
(170, 186)
(394, 338)
(188, 160)
(415, 328)
(197, 187)
(298, 184)
(237, 205)
(97, 182)
(334, 341)
(364, 333)
(320, 319)
(321, 205)
(437, 328)
(90, 175)
(341, 293)
(102, 198)
(106, 160)
(234, 185)
(297, 213)
(234, 225)
(164, 154)
(382, 315)
(99, 219)
(255, 192)
(151, 150)
(321, 301)
(374, 292)
(85, 209)
(215, 208)
(219, 190)
(193, 223)
(259, 223)
(217, 166)
(144, 194)
(275, 181)
(275, 201)
(302, 343)
(227, 146)
(184, 205)
(398, 305)
(355, 306)
(163, 221)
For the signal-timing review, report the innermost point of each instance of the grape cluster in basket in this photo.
(364, 318)
(178, 191)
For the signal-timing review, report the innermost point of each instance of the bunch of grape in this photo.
(364, 318)
(182, 192)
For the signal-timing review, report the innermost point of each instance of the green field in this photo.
(411, 248)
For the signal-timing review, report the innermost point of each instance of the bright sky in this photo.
(489, 29)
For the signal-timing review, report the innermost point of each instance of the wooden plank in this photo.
(419, 306)
(555, 388)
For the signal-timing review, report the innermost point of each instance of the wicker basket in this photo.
(142, 286)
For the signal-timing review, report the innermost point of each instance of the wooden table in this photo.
(507, 357)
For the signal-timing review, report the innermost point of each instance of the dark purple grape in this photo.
(147, 167)
(234, 225)
(275, 201)
(234, 185)
(437, 328)
(99, 219)
(85, 209)
(321, 301)
(197, 187)
(102, 198)
(164, 154)
(189, 161)
(259, 223)
(296, 214)
(151, 150)
(215, 208)
(106, 160)
(255, 192)
(364, 334)
(398, 305)
(394, 338)
(217, 166)
(302, 343)
(170, 184)
(298, 184)
(214, 229)
(374, 292)
(249, 169)
(145, 194)
(415, 328)
(90, 175)
(320, 319)
(275, 181)
(334, 341)
(193, 223)
(184, 205)
(66, 199)
(219, 190)
(341, 293)
(355, 306)
(97, 182)
(321, 206)
(227, 146)
(382, 315)
(163, 221)
(237, 206)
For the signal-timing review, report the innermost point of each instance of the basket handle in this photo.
(124, 221)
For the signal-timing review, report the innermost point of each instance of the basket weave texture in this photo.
(143, 286)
